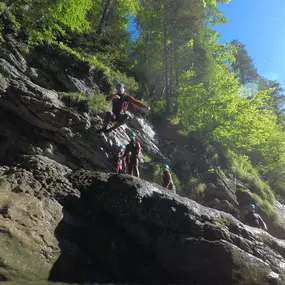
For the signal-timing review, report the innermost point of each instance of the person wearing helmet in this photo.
(120, 160)
(120, 102)
(253, 219)
(132, 152)
(167, 179)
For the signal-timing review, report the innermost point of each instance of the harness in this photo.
(120, 106)
(167, 178)
(134, 148)
(119, 157)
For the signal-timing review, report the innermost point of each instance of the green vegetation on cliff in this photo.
(180, 67)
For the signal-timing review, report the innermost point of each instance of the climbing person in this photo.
(132, 152)
(120, 102)
(120, 160)
(167, 179)
(253, 219)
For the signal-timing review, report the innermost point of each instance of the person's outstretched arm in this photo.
(263, 223)
(139, 149)
(137, 103)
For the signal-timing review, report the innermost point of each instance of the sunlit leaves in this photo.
(219, 113)
(72, 13)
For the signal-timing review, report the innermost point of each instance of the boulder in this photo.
(189, 242)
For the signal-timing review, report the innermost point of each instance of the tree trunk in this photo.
(104, 17)
(166, 75)
(171, 80)
(242, 76)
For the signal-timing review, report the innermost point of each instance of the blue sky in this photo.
(260, 25)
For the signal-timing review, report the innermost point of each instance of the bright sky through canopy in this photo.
(260, 25)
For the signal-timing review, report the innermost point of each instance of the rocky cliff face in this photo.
(86, 226)
(35, 121)
(62, 220)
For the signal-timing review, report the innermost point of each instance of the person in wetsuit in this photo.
(253, 219)
(167, 179)
(120, 102)
(120, 160)
(132, 152)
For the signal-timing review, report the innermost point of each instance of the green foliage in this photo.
(147, 159)
(95, 103)
(44, 21)
(171, 40)
(71, 13)
(74, 97)
(72, 25)
(98, 104)
(222, 113)
(219, 113)
(157, 173)
(196, 186)
(8, 20)
(179, 57)
(222, 222)
(158, 106)
(243, 64)
(267, 208)
(130, 83)
(241, 167)
(174, 120)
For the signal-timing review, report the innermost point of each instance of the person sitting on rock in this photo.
(120, 102)
(132, 152)
(120, 160)
(253, 219)
(167, 179)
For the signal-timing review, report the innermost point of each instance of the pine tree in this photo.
(244, 65)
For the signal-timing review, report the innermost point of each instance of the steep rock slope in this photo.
(35, 120)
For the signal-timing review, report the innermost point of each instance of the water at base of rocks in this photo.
(33, 283)
(42, 283)
(55, 283)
